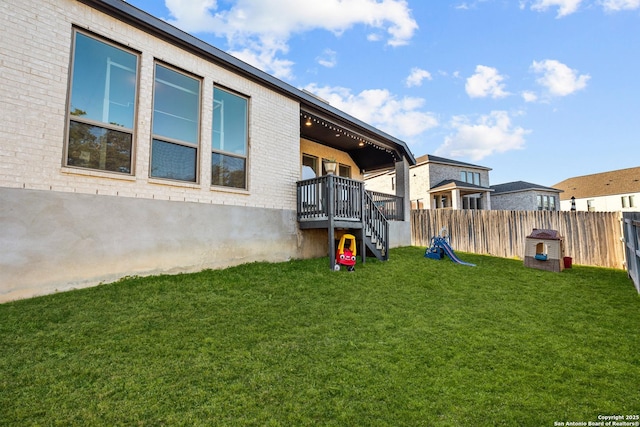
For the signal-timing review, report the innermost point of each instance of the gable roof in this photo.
(518, 186)
(622, 181)
(429, 158)
(138, 18)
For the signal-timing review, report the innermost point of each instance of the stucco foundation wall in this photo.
(399, 234)
(53, 241)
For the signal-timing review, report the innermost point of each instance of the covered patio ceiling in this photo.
(366, 149)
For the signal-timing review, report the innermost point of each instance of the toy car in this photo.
(346, 256)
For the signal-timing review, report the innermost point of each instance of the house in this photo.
(129, 147)
(524, 196)
(437, 183)
(612, 191)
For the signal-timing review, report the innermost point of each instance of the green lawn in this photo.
(407, 342)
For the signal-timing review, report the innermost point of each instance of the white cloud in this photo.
(260, 29)
(529, 96)
(329, 58)
(557, 78)
(416, 77)
(489, 134)
(617, 5)
(403, 118)
(486, 82)
(565, 7)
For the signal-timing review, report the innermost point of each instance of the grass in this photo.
(409, 342)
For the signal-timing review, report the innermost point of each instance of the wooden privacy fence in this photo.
(590, 238)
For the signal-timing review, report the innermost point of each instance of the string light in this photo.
(362, 141)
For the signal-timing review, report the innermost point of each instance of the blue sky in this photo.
(537, 90)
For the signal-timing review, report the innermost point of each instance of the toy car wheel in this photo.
(351, 268)
(336, 267)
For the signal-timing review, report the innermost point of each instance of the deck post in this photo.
(331, 206)
(363, 229)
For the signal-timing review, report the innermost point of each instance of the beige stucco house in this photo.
(439, 183)
(129, 147)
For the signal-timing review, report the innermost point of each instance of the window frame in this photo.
(247, 142)
(132, 131)
(314, 168)
(470, 177)
(342, 168)
(172, 140)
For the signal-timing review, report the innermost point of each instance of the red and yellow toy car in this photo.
(346, 256)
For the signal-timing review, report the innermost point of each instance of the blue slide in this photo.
(440, 243)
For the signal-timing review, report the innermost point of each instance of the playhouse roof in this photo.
(544, 234)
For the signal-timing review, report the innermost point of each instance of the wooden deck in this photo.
(332, 202)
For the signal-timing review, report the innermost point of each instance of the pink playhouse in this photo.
(544, 249)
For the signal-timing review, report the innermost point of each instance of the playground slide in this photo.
(448, 250)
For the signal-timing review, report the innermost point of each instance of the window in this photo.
(229, 139)
(344, 171)
(632, 203)
(102, 106)
(470, 177)
(547, 203)
(625, 201)
(591, 205)
(309, 166)
(176, 117)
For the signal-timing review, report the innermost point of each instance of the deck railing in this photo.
(391, 206)
(348, 198)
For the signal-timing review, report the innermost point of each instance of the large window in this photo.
(470, 177)
(546, 203)
(229, 139)
(102, 106)
(176, 119)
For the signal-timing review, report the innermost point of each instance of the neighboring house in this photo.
(524, 196)
(437, 183)
(611, 191)
(129, 147)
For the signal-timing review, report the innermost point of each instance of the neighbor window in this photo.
(230, 139)
(625, 202)
(470, 177)
(102, 104)
(546, 203)
(176, 124)
(591, 205)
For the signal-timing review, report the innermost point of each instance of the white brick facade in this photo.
(36, 39)
(66, 227)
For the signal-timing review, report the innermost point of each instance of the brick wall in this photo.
(36, 38)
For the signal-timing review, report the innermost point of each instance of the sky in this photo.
(537, 90)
